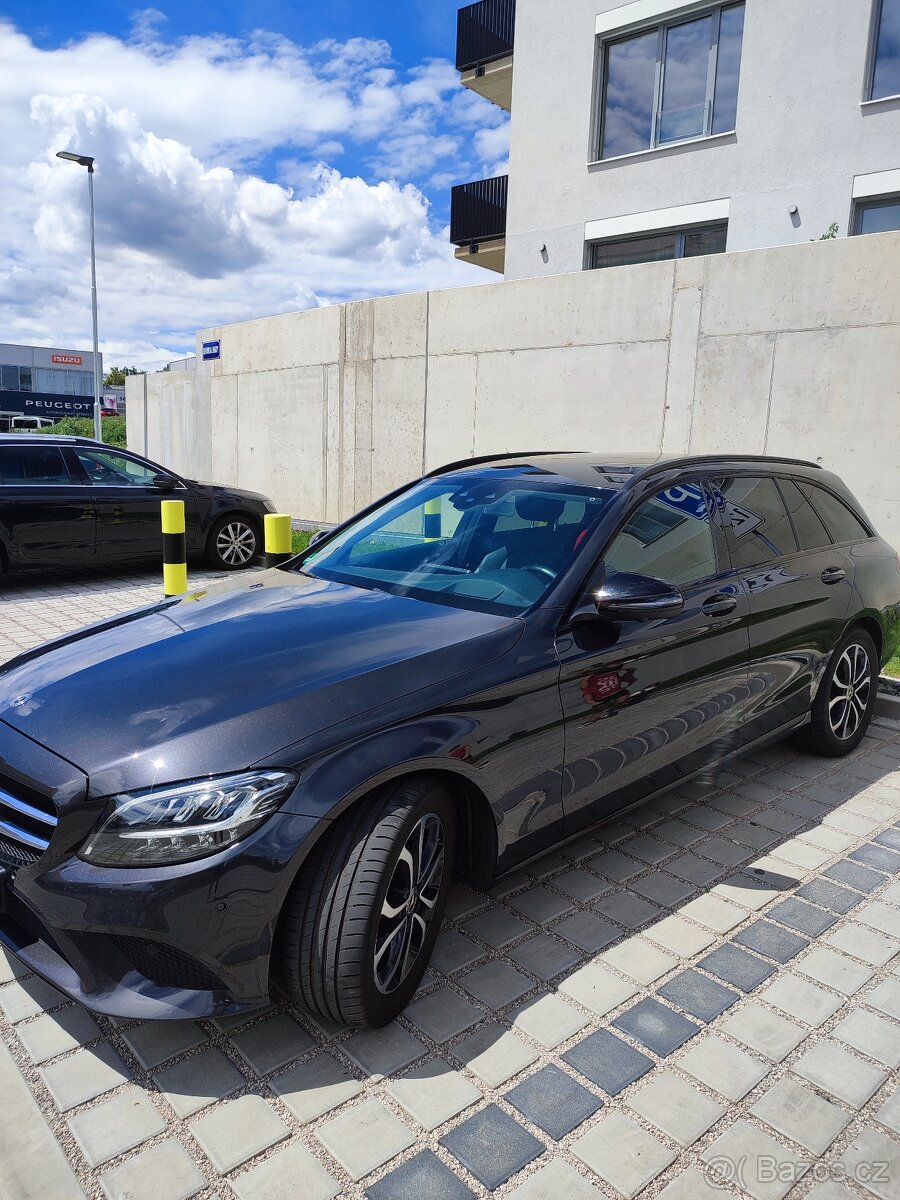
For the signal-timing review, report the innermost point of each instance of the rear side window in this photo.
(811, 533)
(32, 464)
(842, 524)
(758, 526)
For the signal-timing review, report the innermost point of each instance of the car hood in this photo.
(215, 491)
(220, 679)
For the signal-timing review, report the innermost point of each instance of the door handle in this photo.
(719, 605)
(833, 575)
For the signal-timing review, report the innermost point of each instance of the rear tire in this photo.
(364, 913)
(233, 543)
(846, 698)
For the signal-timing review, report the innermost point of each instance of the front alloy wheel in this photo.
(409, 904)
(233, 544)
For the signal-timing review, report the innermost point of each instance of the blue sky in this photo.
(252, 158)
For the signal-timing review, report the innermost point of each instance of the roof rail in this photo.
(488, 458)
(675, 462)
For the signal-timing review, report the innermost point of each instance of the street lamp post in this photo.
(84, 161)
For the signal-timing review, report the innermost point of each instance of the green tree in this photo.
(113, 429)
(116, 376)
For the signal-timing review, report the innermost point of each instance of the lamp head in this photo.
(82, 159)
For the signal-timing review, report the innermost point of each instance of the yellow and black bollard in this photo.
(174, 548)
(432, 521)
(278, 539)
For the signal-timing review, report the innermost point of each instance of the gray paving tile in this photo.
(28, 997)
(286, 1175)
(657, 1027)
(492, 1146)
(555, 1181)
(597, 988)
(890, 839)
(663, 889)
(640, 959)
(272, 1043)
(496, 984)
(433, 1092)
(544, 956)
(164, 1172)
(763, 1031)
(725, 852)
(866, 944)
(237, 1131)
(315, 1087)
(877, 857)
(648, 849)
(695, 870)
(829, 895)
(553, 1101)
(882, 917)
(871, 1035)
(699, 996)
(831, 1068)
(683, 938)
(152, 1042)
(678, 832)
(691, 1185)
(801, 999)
(627, 909)
(364, 1138)
(114, 1126)
(889, 1113)
(803, 917)
(854, 875)
(616, 867)
(771, 940)
(588, 931)
(675, 1106)
(622, 1153)
(549, 1020)
(452, 951)
(723, 1067)
(801, 1115)
(581, 885)
(463, 900)
(494, 1054)
(442, 1015)
(421, 1178)
(55, 1033)
(886, 998)
(834, 970)
(868, 1148)
(768, 1169)
(84, 1075)
(539, 904)
(737, 967)
(497, 927)
(714, 912)
(608, 1061)
(194, 1082)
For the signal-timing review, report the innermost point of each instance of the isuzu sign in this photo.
(68, 360)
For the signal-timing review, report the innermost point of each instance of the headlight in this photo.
(185, 821)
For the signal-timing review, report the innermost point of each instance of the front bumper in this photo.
(186, 941)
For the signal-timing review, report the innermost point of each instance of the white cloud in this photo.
(219, 194)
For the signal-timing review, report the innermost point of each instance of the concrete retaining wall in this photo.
(793, 350)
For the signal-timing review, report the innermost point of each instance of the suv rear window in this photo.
(32, 464)
(840, 521)
(811, 533)
(753, 512)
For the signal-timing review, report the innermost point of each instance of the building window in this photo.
(656, 247)
(673, 83)
(877, 216)
(886, 57)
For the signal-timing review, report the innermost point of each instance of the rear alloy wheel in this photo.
(846, 697)
(233, 544)
(365, 911)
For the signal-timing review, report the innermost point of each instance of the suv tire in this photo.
(846, 697)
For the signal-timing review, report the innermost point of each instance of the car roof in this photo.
(43, 439)
(623, 470)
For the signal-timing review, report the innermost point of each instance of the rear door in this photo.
(799, 585)
(648, 702)
(46, 515)
(127, 502)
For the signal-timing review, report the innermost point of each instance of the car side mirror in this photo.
(317, 537)
(637, 598)
(164, 483)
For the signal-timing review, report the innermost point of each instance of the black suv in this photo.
(71, 501)
(278, 779)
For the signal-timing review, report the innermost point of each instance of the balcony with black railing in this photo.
(485, 34)
(478, 221)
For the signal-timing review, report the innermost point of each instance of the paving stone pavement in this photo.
(700, 999)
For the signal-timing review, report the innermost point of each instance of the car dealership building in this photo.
(45, 381)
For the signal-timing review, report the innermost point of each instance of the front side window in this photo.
(753, 512)
(32, 465)
(107, 469)
(877, 216)
(658, 247)
(886, 64)
(490, 541)
(669, 537)
(673, 83)
(842, 524)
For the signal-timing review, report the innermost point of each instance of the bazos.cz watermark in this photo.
(720, 1171)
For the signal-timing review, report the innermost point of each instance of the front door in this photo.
(127, 503)
(648, 702)
(46, 516)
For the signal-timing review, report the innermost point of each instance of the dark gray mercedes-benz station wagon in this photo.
(274, 782)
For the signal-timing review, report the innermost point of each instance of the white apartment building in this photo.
(661, 129)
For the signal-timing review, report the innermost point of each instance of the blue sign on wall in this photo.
(212, 350)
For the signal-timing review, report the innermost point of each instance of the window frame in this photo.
(681, 235)
(872, 58)
(780, 480)
(40, 483)
(813, 488)
(863, 203)
(662, 27)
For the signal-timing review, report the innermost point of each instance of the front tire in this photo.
(365, 910)
(233, 543)
(846, 697)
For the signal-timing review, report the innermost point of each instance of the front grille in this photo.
(166, 966)
(12, 854)
(27, 824)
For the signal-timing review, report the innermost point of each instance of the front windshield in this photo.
(495, 541)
